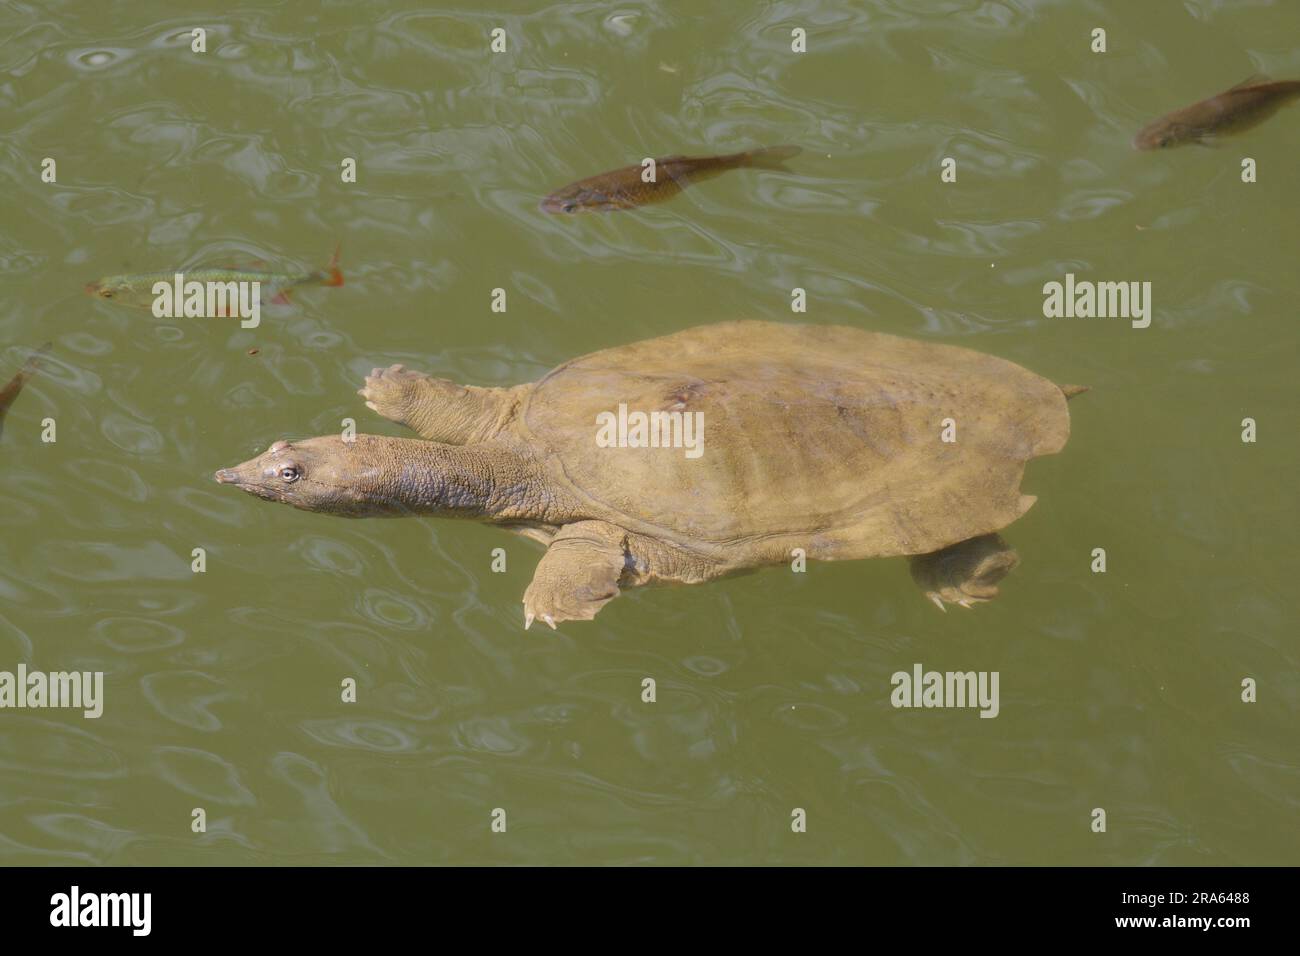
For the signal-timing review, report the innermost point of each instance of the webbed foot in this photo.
(578, 575)
(436, 408)
(395, 392)
(967, 573)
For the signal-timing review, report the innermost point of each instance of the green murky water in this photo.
(1119, 690)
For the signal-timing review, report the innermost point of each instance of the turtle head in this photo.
(326, 474)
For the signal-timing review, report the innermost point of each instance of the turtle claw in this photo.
(392, 392)
(529, 617)
(966, 573)
(941, 599)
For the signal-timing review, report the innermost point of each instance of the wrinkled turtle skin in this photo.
(844, 443)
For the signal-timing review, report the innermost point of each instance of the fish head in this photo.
(119, 289)
(580, 197)
(1161, 134)
(325, 474)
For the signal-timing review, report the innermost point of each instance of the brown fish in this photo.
(11, 390)
(1247, 104)
(624, 188)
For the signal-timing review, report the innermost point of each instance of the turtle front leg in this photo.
(578, 575)
(965, 573)
(437, 408)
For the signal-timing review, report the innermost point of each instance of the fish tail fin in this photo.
(1072, 390)
(772, 157)
(332, 275)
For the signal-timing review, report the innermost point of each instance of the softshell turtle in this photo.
(840, 442)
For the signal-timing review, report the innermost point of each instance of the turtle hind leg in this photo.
(578, 575)
(965, 573)
(439, 409)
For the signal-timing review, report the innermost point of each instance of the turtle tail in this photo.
(1069, 391)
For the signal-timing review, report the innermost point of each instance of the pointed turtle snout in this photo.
(247, 475)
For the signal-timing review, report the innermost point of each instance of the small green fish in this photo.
(15, 384)
(137, 289)
(625, 189)
(1247, 104)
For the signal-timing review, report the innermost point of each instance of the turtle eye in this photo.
(569, 205)
(289, 473)
(106, 293)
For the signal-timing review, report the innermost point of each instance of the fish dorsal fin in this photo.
(1253, 80)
